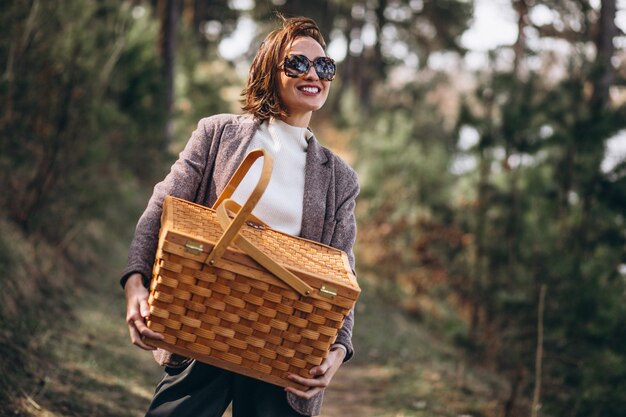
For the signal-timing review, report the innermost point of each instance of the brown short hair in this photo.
(260, 96)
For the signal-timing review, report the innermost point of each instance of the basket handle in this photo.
(258, 255)
(241, 172)
(244, 212)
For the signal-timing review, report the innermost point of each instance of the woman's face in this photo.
(303, 96)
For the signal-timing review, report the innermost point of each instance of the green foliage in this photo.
(205, 85)
(534, 209)
(80, 129)
(79, 111)
(545, 221)
(404, 159)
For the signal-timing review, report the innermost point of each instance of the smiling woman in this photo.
(306, 92)
(277, 87)
(311, 194)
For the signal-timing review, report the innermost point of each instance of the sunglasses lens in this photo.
(325, 68)
(298, 65)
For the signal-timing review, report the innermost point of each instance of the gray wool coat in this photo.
(203, 169)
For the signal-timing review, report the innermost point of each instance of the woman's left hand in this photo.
(321, 375)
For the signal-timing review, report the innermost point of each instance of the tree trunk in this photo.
(478, 279)
(599, 102)
(539, 352)
(605, 49)
(373, 61)
(513, 228)
(516, 386)
(522, 19)
(199, 15)
(169, 15)
(318, 10)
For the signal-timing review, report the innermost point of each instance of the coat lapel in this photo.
(234, 143)
(316, 182)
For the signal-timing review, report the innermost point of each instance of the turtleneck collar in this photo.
(285, 130)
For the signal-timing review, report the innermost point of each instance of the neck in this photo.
(298, 120)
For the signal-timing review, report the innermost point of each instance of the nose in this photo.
(311, 74)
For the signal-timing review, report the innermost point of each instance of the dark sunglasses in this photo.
(296, 66)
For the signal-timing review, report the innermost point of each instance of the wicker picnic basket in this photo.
(236, 294)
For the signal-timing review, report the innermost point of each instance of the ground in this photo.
(90, 368)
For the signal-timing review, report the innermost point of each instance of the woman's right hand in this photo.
(137, 311)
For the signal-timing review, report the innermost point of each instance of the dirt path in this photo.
(355, 390)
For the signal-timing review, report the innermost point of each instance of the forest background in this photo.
(492, 243)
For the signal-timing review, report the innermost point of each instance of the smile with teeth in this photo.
(312, 90)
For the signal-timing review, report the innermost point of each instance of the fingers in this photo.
(137, 311)
(307, 395)
(320, 376)
(320, 370)
(138, 329)
(135, 338)
(143, 308)
(318, 382)
(316, 385)
(139, 324)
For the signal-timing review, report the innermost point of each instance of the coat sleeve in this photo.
(182, 181)
(344, 237)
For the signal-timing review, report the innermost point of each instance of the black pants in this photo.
(201, 390)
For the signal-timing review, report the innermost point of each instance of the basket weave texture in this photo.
(237, 315)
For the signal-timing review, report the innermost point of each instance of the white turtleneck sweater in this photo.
(281, 204)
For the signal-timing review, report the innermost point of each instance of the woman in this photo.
(311, 194)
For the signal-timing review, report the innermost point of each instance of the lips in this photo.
(309, 89)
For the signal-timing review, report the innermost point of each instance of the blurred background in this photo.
(490, 140)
